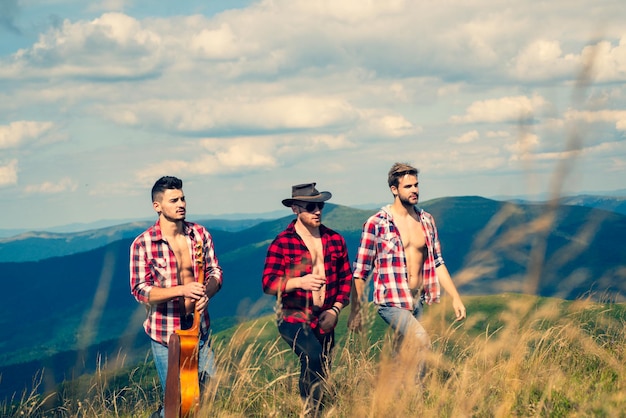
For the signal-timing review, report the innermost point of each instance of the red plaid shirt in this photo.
(288, 257)
(381, 247)
(153, 263)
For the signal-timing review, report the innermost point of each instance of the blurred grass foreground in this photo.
(515, 355)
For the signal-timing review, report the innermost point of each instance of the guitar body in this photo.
(189, 379)
(182, 391)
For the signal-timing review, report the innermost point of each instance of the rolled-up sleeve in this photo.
(212, 269)
(344, 275)
(367, 251)
(140, 276)
(274, 271)
(437, 254)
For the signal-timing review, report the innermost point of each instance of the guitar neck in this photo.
(200, 262)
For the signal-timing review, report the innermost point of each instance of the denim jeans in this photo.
(408, 329)
(313, 350)
(206, 362)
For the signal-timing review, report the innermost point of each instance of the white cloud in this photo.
(220, 43)
(498, 134)
(108, 5)
(243, 155)
(506, 109)
(465, 138)
(608, 62)
(245, 112)
(347, 10)
(544, 59)
(8, 174)
(18, 132)
(331, 142)
(603, 116)
(608, 149)
(48, 187)
(112, 46)
(525, 144)
(218, 156)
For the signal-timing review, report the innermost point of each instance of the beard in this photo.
(406, 200)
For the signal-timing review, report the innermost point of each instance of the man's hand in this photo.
(202, 303)
(193, 290)
(459, 309)
(328, 320)
(312, 282)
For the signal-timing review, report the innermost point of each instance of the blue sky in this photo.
(242, 99)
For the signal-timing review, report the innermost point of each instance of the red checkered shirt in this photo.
(381, 249)
(153, 263)
(288, 257)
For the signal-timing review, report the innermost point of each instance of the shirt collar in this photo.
(157, 234)
(387, 211)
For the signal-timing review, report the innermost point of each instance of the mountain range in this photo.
(67, 296)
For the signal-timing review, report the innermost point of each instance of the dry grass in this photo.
(515, 356)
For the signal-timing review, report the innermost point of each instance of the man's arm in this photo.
(448, 285)
(355, 320)
(329, 318)
(213, 276)
(442, 273)
(363, 264)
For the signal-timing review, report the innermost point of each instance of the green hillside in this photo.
(515, 355)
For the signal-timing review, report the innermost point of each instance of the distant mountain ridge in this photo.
(613, 200)
(610, 203)
(489, 246)
(230, 218)
(35, 246)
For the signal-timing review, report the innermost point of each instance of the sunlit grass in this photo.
(515, 355)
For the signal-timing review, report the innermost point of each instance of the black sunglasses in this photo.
(310, 207)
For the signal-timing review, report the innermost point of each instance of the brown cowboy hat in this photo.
(306, 192)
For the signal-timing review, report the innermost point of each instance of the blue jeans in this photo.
(407, 329)
(206, 362)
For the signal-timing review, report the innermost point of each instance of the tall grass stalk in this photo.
(533, 357)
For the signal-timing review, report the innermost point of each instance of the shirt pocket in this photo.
(389, 244)
(160, 270)
(298, 266)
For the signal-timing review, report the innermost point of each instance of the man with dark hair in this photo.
(400, 245)
(164, 276)
(307, 268)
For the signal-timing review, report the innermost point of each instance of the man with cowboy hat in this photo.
(307, 268)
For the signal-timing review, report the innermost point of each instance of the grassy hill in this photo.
(515, 355)
(83, 299)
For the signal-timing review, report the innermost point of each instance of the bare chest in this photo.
(184, 264)
(314, 245)
(411, 233)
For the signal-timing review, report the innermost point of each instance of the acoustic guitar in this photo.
(182, 387)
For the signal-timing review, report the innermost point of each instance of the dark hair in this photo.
(399, 170)
(165, 183)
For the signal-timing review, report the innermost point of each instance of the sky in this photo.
(243, 99)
